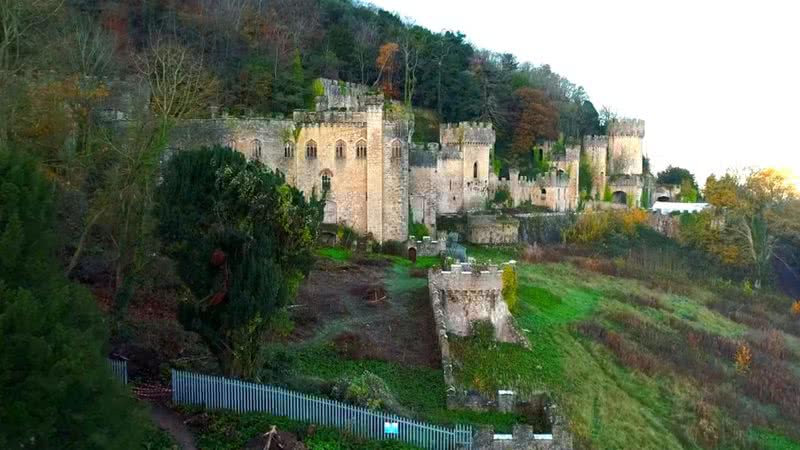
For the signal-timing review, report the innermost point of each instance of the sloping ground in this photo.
(634, 365)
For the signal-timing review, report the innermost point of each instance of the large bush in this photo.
(243, 240)
(56, 390)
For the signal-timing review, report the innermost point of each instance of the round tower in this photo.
(625, 152)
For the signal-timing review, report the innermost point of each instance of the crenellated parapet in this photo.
(626, 127)
(467, 133)
(592, 142)
(329, 118)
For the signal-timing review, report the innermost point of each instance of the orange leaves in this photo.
(534, 117)
(796, 308)
(743, 358)
(386, 62)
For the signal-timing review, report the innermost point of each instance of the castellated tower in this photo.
(473, 141)
(596, 152)
(625, 152)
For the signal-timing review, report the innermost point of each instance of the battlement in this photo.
(595, 141)
(330, 118)
(464, 277)
(626, 127)
(469, 133)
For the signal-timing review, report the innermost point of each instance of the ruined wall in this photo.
(339, 95)
(485, 229)
(552, 190)
(470, 296)
(427, 246)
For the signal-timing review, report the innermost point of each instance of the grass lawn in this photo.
(609, 404)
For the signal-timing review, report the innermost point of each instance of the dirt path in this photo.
(171, 422)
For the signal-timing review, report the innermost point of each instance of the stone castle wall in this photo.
(625, 147)
(489, 229)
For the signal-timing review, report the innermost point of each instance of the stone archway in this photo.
(663, 198)
(412, 255)
(620, 197)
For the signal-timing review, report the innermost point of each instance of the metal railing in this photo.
(223, 393)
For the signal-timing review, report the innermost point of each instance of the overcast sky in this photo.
(715, 81)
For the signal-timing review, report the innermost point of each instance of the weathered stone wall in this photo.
(625, 147)
(522, 437)
(544, 228)
(469, 297)
(665, 224)
(486, 229)
(631, 185)
(339, 95)
(596, 152)
(427, 246)
(395, 181)
(551, 190)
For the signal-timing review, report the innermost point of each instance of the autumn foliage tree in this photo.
(387, 64)
(534, 117)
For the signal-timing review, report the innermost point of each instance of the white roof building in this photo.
(671, 207)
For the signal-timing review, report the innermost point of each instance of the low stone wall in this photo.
(522, 437)
(665, 224)
(427, 247)
(544, 228)
(486, 229)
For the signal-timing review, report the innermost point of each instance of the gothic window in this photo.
(326, 180)
(397, 150)
(475, 170)
(256, 150)
(311, 150)
(361, 149)
(288, 149)
(340, 150)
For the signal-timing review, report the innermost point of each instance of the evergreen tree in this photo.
(243, 240)
(56, 389)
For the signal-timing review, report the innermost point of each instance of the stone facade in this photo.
(490, 229)
(427, 246)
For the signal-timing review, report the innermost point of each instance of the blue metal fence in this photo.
(223, 393)
(119, 367)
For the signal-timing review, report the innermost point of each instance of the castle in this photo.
(357, 148)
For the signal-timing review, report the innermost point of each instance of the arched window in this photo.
(475, 170)
(256, 150)
(544, 191)
(288, 149)
(361, 149)
(311, 150)
(326, 180)
(340, 150)
(397, 149)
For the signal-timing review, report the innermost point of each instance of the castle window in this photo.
(255, 154)
(288, 149)
(340, 150)
(544, 191)
(361, 149)
(475, 170)
(311, 150)
(397, 150)
(326, 182)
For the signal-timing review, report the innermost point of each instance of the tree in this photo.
(534, 117)
(751, 216)
(387, 66)
(413, 43)
(674, 176)
(55, 385)
(19, 20)
(178, 82)
(243, 240)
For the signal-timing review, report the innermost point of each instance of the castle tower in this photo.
(573, 160)
(625, 152)
(596, 153)
(375, 161)
(474, 142)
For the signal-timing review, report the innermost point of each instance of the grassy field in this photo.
(632, 365)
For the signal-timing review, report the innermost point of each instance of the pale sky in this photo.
(715, 81)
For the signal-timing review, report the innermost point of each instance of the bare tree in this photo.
(411, 45)
(89, 49)
(366, 37)
(18, 19)
(442, 51)
(179, 84)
